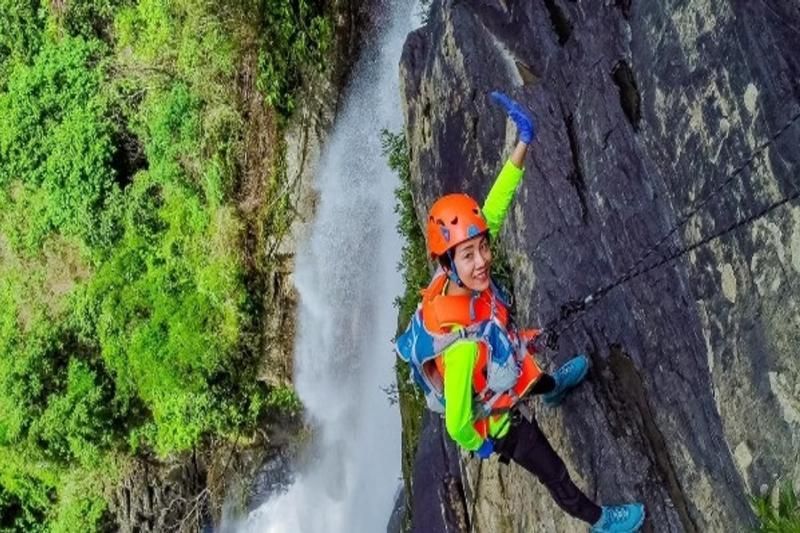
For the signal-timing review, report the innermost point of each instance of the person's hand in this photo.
(528, 338)
(486, 449)
(520, 116)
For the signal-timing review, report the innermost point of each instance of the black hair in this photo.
(446, 259)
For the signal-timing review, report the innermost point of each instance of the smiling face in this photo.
(473, 260)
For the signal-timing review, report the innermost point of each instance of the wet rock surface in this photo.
(645, 110)
(439, 500)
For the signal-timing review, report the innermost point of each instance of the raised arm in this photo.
(497, 202)
(495, 208)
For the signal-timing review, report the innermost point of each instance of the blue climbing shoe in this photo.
(570, 374)
(620, 518)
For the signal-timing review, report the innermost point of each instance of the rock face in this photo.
(439, 498)
(645, 110)
(162, 496)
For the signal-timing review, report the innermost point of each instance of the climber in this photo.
(470, 361)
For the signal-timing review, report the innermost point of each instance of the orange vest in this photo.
(442, 313)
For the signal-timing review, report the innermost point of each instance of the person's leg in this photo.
(527, 446)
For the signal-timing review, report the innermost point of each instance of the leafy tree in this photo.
(56, 148)
(77, 423)
(295, 41)
(21, 25)
(16, 514)
(88, 18)
(167, 306)
(122, 134)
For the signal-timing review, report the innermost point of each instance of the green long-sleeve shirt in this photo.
(461, 357)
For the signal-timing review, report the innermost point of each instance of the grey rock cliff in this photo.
(161, 495)
(643, 110)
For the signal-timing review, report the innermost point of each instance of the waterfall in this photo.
(347, 279)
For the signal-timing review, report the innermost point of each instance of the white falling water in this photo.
(347, 278)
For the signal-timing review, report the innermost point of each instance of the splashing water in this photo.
(347, 279)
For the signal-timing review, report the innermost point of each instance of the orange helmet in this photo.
(453, 219)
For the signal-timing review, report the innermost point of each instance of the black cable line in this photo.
(552, 331)
(702, 203)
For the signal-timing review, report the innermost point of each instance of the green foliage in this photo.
(21, 25)
(121, 141)
(81, 505)
(184, 57)
(167, 311)
(88, 18)
(147, 30)
(55, 409)
(172, 131)
(416, 275)
(78, 421)
(38, 496)
(296, 37)
(782, 516)
(413, 263)
(284, 401)
(53, 404)
(17, 514)
(188, 41)
(56, 148)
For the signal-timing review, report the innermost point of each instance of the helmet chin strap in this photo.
(453, 273)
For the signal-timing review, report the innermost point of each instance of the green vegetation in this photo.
(781, 515)
(129, 321)
(413, 260)
(304, 43)
(56, 148)
(416, 276)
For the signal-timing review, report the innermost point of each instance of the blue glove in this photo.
(519, 115)
(486, 449)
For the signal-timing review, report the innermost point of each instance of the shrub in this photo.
(284, 401)
(56, 148)
(17, 514)
(413, 263)
(782, 516)
(21, 25)
(88, 18)
(121, 133)
(166, 310)
(416, 275)
(77, 423)
(296, 37)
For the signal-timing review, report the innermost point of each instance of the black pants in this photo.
(526, 445)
